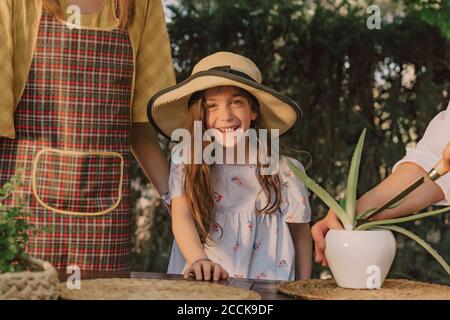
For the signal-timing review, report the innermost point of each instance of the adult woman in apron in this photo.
(74, 104)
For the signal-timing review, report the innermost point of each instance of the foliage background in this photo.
(345, 76)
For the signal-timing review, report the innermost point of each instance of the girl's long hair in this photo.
(53, 7)
(198, 186)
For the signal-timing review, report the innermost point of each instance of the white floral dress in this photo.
(248, 244)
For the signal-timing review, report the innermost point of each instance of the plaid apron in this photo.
(73, 124)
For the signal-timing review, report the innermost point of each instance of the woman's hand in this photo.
(319, 231)
(205, 269)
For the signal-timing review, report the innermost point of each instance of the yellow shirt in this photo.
(19, 25)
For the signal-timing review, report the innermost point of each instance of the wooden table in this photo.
(266, 288)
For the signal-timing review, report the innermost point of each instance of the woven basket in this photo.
(154, 289)
(39, 284)
(392, 289)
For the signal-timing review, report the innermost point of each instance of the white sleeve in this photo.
(176, 180)
(295, 206)
(429, 150)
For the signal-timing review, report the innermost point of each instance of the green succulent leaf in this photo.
(365, 214)
(322, 194)
(421, 242)
(342, 202)
(352, 182)
(413, 217)
(368, 213)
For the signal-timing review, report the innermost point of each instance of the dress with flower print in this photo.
(248, 244)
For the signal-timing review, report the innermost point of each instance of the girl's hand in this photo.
(203, 269)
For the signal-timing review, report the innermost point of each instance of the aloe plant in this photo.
(346, 208)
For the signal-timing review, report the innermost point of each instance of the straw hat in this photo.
(167, 109)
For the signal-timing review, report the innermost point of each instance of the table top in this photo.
(266, 288)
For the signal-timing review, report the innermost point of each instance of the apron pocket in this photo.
(78, 183)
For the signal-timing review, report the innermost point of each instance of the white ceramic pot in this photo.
(360, 259)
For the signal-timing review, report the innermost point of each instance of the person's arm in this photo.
(154, 72)
(148, 153)
(7, 67)
(188, 241)
(407, 173)
(296, 211)
(301, 236)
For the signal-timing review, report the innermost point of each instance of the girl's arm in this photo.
(147, 151)
(188, 241)
(301, 236)
(184, 231)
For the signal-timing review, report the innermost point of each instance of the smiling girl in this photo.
(230, 219)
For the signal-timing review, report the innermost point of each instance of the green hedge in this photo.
(345, 77)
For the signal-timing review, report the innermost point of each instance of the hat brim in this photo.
(168, 108)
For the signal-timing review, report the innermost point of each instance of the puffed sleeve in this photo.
(154, 65)
(176, 181)
(295, 206)
(7, 73)
(429, 149)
